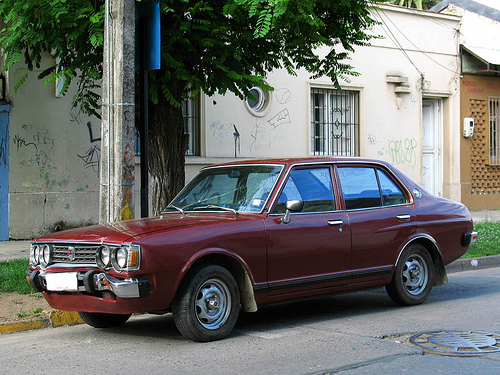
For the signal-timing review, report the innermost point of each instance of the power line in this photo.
(416, 47)
(396, 42)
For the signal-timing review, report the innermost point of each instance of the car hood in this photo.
(122, 231)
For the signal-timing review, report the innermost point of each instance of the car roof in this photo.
(304, 160)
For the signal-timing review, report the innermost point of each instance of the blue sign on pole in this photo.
(147, 35)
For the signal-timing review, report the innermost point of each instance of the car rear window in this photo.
(365, 187)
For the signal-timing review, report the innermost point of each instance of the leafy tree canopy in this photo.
(215, 46)
(70, 30)
(207, 45)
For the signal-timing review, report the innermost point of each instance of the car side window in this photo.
(391, 193)
(365, 187)
(360, 187)
(313, 186)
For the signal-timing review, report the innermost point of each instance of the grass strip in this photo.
(488, 242)
(13, 276)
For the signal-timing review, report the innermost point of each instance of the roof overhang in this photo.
(480, 60)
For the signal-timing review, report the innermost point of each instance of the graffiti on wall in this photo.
(283, 117)
(264, 134)
(266, 131)
(48, 150)
(403, 151)
(223, 131)
(372, 139)
(38, 156)
(92, 157)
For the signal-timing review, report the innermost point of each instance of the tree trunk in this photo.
(167, 147)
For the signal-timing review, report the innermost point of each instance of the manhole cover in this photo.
(458, 342)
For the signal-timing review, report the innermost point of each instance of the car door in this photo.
(381, 216)
(312, 250)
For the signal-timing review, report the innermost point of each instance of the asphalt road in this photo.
(360, 333)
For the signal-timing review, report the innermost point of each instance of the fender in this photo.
(236, 265)
(434, 250)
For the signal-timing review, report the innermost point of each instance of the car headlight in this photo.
(45, 255)
(34, 255)
(103, 257)
(126, 258)
(121, 257)
(37, 254)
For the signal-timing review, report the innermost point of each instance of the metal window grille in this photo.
(494, 104)
(191, 114)
(334, 122)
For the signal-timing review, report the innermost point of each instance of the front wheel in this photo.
(206, 306)
(102, 320)
(413, 277)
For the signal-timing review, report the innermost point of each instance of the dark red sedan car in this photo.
(246, 234)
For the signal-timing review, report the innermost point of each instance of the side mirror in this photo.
(292, 205)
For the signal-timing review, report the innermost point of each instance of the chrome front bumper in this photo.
(90, 282)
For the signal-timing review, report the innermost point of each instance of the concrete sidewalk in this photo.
(14, 250)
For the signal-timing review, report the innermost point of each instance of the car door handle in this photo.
(403, 217)
(335, 223)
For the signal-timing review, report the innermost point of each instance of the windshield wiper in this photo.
(171, 206)
(211, 206)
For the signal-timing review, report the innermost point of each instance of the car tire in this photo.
(413, 277)
(102, 320)
(207, 305)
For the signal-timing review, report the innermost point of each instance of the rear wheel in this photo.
(413, 277)
(207, 305)
(102, 320)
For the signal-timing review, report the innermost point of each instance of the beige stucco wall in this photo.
(53, 161)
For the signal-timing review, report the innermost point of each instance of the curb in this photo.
(471, 264)
(55, 318)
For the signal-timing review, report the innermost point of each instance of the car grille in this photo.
(77, 254)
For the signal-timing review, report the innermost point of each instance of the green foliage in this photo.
(232, 45)
(214, 46)
(488, 242)
(69, 30)
(13, 276)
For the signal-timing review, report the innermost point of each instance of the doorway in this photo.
(432, 130)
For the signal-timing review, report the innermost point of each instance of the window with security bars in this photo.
(191, 115)
(494, 104)
(334, 122)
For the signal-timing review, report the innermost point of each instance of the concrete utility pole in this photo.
(117, 174)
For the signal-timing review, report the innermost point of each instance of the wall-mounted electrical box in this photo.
(468, 127)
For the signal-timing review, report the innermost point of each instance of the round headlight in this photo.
(45, 255)
(121, 257)
(36, 254)
(32, 255)
(103, 257)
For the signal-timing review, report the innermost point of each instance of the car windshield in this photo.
(228, 189)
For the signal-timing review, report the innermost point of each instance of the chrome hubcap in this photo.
(415, 274)
(213, 304)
